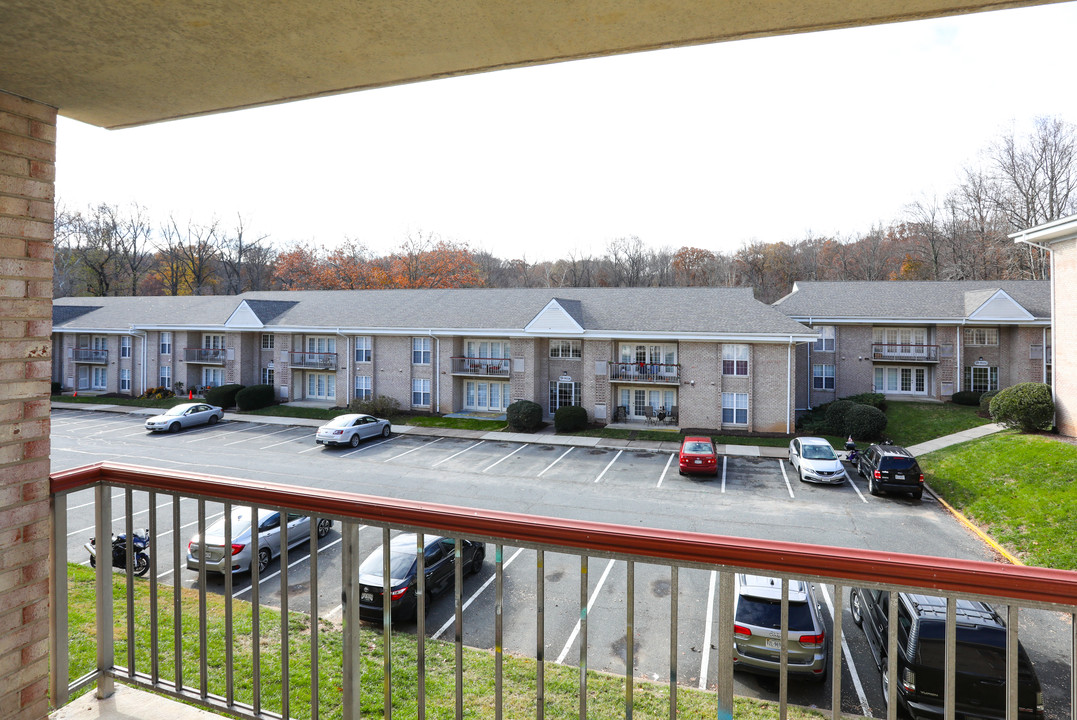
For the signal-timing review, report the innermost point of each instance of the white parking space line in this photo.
(848, 657)
(786, 478)
(489, 581)
(853, 483)
(725, 458)
(666, 469)
(275, 432)
(115, 426)
(100, 424)
(707, 630)
(372, 445)
(229, 432)
(590, 604)
(497, 462)
(601, 474)
(469, 447)
(418, 447)
(310, 449)
(266, 578)
(566, 452)
(283, 442)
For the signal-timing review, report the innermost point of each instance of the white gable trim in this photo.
(243, 317)
(1001, 307)
(553, 319)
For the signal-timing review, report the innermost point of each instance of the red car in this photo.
(698, 455)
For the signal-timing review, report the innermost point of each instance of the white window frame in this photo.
(267, 341)
(737, 403)
(268, 375)
(825, 342)
(164, 376)
(364, 349)
(988, 384)
(420, 351)
(736, 354)
(99, 378)
(212, 341)
(125, 380)
(420, 392)
(166, 343)
(981, 336)
(364, 387)
(566, 349)
(571, 392)
(125, 346)
(822, 377)
(321, 386)
(649, 353)
(212, 376)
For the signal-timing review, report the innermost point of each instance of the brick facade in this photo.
(27, 172)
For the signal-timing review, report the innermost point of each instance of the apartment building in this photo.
(699, 357)
(923, 340)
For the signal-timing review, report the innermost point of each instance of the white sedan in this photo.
(185, 415)
(816, 461)
(350, 429)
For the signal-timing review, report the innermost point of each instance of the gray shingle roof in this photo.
(912, 300)
(627, 310)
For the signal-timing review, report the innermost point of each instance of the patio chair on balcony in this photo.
(671, 418)
(648, 413)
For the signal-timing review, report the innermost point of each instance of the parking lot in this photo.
(751, 496)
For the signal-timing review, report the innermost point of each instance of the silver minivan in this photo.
(757, 628)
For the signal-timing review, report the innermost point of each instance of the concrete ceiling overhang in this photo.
(118, 64)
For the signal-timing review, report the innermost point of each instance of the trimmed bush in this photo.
(876, 400)
(966, 397)
(864, 422)
(985, 403)
(524, 416)
(569, 418)
(255, 397)
(835, 415)
(1025, 406)
(225, 395)
(381, 406)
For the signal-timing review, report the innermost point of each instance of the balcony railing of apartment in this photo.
(206, 356)
(86, 355)
(168, 639)
(313, 360)
(884, 352)
(657, 373)
(489, 367)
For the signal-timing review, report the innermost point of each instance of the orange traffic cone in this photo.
(190, 394)
(76, 393)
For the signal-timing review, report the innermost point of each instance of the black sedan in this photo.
(440, 563)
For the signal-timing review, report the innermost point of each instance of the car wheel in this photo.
(871, 485)
(323, 526)
(800, 474)
(476, 562)
(174, 427)
(354, 442)
(855, 608)
(264, 556)
(859, 470)
(213, 419)
(918, 495)
(385, 431)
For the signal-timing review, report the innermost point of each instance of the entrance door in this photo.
(487, 397)
(901, 380)
(321, 386)
(638, 399)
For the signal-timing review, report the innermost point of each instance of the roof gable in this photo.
(997, 305)
(559, 316)
(243, 317)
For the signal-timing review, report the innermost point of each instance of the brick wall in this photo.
(27, 172)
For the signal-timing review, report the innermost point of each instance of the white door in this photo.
(321, 386)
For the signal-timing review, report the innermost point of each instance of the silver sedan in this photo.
(238, 555)
(816, 461)
(351, 429)
(185, 415)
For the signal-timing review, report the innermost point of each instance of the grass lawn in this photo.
(909, 423)
(125, 401)
(605, 692)
(1017, 488)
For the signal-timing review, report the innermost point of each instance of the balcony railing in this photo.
(488, 367)
(86, 355)
(313, 360)
(656, 373)
(205, 356)
(904, 352)
(158, 495)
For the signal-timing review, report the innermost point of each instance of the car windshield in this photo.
(699, 448)
(768, 614)
(177, 410)
(400, 564)
(341, 421)
(819, 452)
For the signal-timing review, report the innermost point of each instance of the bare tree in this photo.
(234, 252)
(198, 252)
(133, 237)
(96, 248)
(66, 268)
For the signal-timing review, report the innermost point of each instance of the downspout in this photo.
(788, 383)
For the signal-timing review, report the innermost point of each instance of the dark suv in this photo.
(891, 468)
(981, 656)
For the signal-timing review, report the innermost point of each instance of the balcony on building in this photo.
(904, 353)
(205, 356)
(91, 356)
(313, 360)
(481, 366)
(649, 373)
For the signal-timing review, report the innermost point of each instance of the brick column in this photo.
(27, 172)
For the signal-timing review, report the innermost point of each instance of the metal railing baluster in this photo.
(725, 645)
(59, 625)
(229, 630)
(783, 654)
(420, 618)
(1012, 619)
(177, 598)
(203, 639)
(835, 654)
(499, 632)
(106, 655)
(386, 628)
(583, 637)
(458, 604)
(630, 635)
(349, 594)
(1073, 664)
(285, 684)
(256, 619)
(949, 680)
(674, 622)
(314, 625)
(129, 551)
(155, 662)
(892, 656)
(540, 635)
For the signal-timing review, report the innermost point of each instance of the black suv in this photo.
(981, 656)
(891, 468)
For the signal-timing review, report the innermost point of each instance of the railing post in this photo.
(106, 649)
(58, 620)
(349, 596)
(725, 646)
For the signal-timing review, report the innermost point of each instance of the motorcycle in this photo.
(141, 542)
(852, 454)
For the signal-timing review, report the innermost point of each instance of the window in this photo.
(267, 376)
(125, 346)
(362, 349)
(734, 359)
(981, 379)
(825, 343)
(565, 349)
(734, 408)
(165, 376)
(363, 388)
(664, 356)
(321, 386)
(420, 354)
(166, 343)
(981, 336)
(420, 390)
(563, 394)
(900, 341)
(904, 380)
(213, 342)
(823, 377)
(495, 349)
(100, 378)
(125, 379)
(212, 377)
(267, 341)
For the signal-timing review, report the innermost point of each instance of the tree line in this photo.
(1015, 183)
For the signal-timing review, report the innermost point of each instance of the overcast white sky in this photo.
(713, 146)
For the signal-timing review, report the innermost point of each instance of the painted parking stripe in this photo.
(204, 435)
(590, 604)
(275, 432)
(469, 447)
(372, 445)
(310, 449)
(601, 474)
(566, 452)
(451, 621)
(707, 630)
(848, 657)
(497, 462)
(725, 459)
(853, 483)
(666, 469)
(285, 442)
(785, 477)
(418, 447)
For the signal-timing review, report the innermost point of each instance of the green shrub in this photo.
(835, 415)
(569, 418)
(381, 406)
(255, 397)
(1026, 406)
(966, 397)
(524, 416)
(876, 400)
(864, 422)
(225, 395)
(157, 393)
(985, 402)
